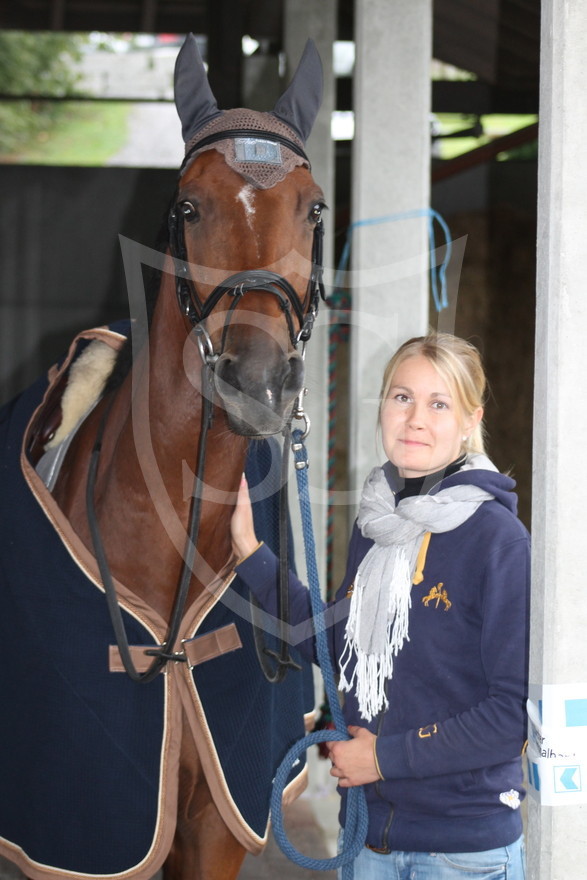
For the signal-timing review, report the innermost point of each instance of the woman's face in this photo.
(421, 424)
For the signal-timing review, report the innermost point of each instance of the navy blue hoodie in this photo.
(449, 745)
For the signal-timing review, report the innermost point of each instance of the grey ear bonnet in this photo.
(261, 161)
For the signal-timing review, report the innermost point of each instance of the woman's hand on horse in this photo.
(353, 760)
(242, 529)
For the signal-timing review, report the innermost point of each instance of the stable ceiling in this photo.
(497, 40)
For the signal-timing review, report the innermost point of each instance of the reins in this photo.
(282, 658)
(165, 653)
(196, 311)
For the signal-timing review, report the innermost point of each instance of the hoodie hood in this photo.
(483, 475)
(478, 470)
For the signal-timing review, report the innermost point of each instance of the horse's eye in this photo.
(188, 211)
(316, 212)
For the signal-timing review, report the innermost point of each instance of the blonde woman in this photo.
(429, 630)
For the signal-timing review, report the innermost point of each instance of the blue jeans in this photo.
(504, 863)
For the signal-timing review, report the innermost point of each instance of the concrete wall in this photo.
(492, 213)
(60, 264)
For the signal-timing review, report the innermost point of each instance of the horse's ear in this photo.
(196, 105)
(299, 104)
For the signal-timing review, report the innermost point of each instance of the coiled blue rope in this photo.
(355, 830)
(438, 283)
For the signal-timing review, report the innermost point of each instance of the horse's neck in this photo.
(166, 425)
(147, 471)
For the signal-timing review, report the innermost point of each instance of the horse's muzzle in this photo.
(258, 393)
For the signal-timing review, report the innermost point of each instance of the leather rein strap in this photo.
(281, 658)
(196, 311)
(165, 652)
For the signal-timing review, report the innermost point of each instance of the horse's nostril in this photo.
(227, 371)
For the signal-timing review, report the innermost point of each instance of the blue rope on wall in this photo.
(437, 273)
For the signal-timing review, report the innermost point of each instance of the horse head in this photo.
(245, 231)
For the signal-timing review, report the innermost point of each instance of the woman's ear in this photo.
(472, 421)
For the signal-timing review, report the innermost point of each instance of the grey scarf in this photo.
(377, 624)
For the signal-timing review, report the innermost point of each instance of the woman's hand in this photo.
(353, 760)
(242, 529)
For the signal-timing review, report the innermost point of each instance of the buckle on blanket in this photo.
(141, 656)
(175, 657)
(194, 651)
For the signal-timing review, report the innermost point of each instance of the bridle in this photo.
(237, 285)
(196, 311)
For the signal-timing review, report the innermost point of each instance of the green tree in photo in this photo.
(34, 64)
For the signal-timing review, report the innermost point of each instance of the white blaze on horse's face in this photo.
(247, 197)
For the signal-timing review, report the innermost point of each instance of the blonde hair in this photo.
(459, 364)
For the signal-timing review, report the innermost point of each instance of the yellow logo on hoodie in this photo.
(438, 594)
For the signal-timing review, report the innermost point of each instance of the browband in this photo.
(231, 133)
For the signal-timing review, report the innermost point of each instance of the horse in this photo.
(141, 501)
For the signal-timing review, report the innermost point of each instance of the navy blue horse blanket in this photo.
(88, 758)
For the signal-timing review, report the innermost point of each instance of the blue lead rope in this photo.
(355, 830)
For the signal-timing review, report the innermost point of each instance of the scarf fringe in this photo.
(372, 670)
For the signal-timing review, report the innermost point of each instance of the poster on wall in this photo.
(557, 744)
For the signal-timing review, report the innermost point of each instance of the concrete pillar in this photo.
(391, 175)
(557, 750)
(304, 19)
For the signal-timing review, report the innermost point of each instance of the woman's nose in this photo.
(415, 415)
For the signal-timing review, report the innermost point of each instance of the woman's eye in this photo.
(316, 212)
(188, 211)
(402, 398)
(440, 404)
